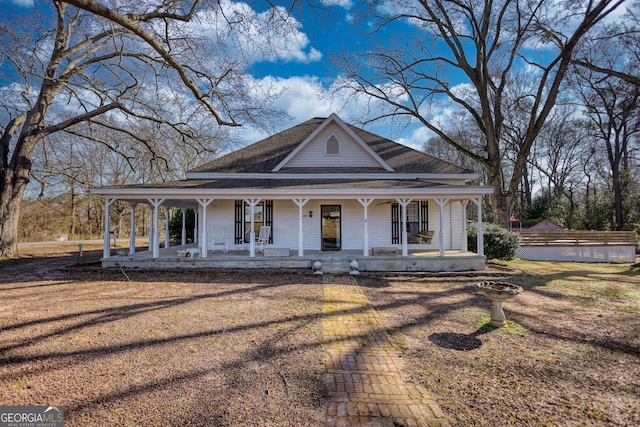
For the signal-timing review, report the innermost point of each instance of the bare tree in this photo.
(613, 108)
(483, 44)
(563, 149)
(80, 66)
(609, 50)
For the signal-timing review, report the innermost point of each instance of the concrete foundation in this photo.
(332, 262)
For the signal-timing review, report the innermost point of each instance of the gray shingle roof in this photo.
(264, 155)
(290, 184)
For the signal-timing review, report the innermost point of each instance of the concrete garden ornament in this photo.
(498, 292)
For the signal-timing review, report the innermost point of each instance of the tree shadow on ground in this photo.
(456, 295)
(461, 342)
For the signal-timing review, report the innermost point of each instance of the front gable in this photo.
(332, 145)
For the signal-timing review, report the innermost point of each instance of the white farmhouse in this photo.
(321, 189)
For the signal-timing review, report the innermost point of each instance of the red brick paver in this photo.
(364, 368)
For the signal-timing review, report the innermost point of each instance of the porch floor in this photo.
(332, 261)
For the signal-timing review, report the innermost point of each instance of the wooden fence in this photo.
(576, 238)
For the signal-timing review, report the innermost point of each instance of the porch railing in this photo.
(576, 238)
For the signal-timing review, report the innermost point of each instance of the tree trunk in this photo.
(526, 187)
(501, 207)
(11, 191)
(617, 192)
(572, 207)
(72, 230)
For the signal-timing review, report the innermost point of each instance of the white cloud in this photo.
(346, 4)
(21, 3)
(272, 35)
(417, 137)
(305, 97)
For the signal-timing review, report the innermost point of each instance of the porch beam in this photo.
(441, 203)
(300, 203)
(203, 238)
(132, 229)
(106, 251)
(478, 202)
(252, 235)
(404, 203)
(155, 235)
(365, 246)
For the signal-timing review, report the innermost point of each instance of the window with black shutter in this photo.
(262, 215)
(395, 223)
(417, 220)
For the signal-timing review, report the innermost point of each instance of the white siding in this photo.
(379, 226)
(314, 153)
(220, 220)
(449, 226)
(456, 225)
(286, 226)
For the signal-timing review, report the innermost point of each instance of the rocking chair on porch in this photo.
(263, 237)
(425, 236)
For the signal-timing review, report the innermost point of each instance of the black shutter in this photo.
(238, 234)
(395, 223)
(268, 217)
(424, 215)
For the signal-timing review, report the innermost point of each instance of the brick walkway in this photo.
(364, 369)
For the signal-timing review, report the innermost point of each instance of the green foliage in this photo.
(175, 225)
(546, 206)
(499, 243)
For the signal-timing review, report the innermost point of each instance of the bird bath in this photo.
(498, 292)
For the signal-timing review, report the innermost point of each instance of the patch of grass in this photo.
(619, 293)
(479, 367)
(628, 309)
(510, 328)
(398, 339)
(595, 285)
(17, 384)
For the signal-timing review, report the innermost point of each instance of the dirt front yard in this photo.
(569, 356)
(181, 348)
(162, 348)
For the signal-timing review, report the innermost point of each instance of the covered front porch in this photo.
(331, 262)
(376, 233)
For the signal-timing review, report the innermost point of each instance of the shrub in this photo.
(499, 243)
(175, 226)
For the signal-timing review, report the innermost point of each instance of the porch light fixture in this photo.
(310, 214)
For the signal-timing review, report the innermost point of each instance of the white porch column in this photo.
(404, 203)
(196, 213)
(465, 243)
(300, 203)
(365, 246)
(150, 228)
(132, 229)
(441, 203)
(166, 227)
(478, 202)
(183, 241)
(155, 236)
(203, 238)
(106, 252)
(252, 235)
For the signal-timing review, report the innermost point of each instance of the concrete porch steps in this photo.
(336, 265)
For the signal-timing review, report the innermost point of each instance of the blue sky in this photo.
(301, 67)
(303, 71)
